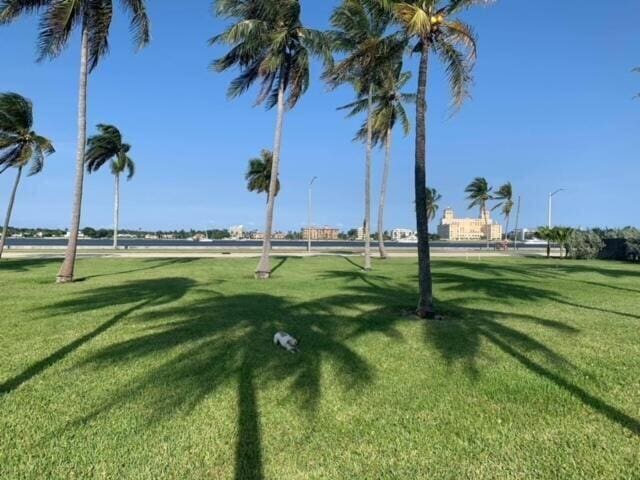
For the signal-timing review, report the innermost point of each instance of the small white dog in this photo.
(286, 341)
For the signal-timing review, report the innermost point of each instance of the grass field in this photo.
(165, 369)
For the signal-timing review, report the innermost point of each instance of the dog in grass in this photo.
(286, 341)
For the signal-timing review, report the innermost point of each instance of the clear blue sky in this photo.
(552, 107)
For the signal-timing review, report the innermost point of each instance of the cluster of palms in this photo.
(270, 47)
(480, 193)
(365, 49)
(559, 235)
(20, 146)
(58, 21)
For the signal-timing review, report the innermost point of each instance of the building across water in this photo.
(452, 228)
(320, 233)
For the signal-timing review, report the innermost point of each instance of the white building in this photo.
(399, 234)
(237, 232)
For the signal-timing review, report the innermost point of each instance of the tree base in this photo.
(263, 275)
(428, 314)
(64, 279)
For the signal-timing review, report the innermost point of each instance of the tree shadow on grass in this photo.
(135, 295)
(25, 264)
(460, 337)
(157, 264)
(216, 340)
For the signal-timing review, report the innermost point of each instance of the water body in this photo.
(235, 244)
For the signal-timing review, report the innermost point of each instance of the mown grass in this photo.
(165, 369)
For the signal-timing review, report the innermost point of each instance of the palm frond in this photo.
(16, 113)
(458, 72)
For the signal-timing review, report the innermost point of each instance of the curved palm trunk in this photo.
(367, 184)
(65, 274)
(264, 266)
(425, 304)
(7, 219)
(383, 193)
(116, 212)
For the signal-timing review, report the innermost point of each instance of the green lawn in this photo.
(165, 369)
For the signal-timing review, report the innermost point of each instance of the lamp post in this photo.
(309, 215)
(551, 195)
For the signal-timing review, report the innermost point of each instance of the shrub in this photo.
(584, 245)
(625, 249)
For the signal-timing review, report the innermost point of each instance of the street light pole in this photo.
(551, 195)
(309, 215)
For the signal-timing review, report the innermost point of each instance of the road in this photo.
(56, 243)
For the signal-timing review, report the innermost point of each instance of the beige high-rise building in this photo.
(452, 228)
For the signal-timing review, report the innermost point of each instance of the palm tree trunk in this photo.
(383, 193)
(367, 183)
(116, 213)
(264, 266)
(485, 213)
(7, 219)
(506, 231)
(65, 274)
(425, 304)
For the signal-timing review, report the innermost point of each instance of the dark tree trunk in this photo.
(425, 304)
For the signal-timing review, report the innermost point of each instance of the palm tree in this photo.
(19, 145)
(59, 19)
(388, 101)
(505, 195)
(105, 147)
(433, 197)
(258, 175)
(563, 235)
(548, 234)
(479, 193)
(270, 46)
(359, 33)
(432, 25)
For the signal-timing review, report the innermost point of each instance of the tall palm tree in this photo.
(105, 147)
(19, 145)
(360, 34)
(58, 21)
(389, 108)
(433, 197)
(258, 175)
(271, 47)
(434, 28)
(479, 193)
(506, 204)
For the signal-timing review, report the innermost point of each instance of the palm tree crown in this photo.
(108, 146)
(478, 193)
(19, 144)
(258, 175)
(360, 28)
(270, 46)
(505, 195)
(433, 25)
(433, 197)
(60, 18)
(389, 106)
